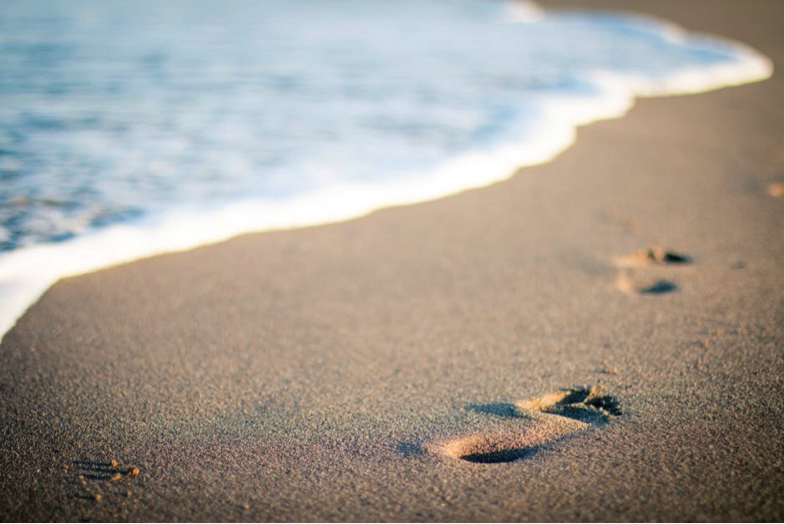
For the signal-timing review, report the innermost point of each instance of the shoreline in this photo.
(308, 374)
(26, 273)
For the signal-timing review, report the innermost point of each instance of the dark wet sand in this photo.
(339, 372)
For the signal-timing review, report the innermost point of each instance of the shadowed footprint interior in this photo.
(500, 409)
(639, 285)
(497, 457)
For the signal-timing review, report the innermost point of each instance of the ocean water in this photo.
(129, 129)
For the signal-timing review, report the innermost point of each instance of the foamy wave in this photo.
(749, 67)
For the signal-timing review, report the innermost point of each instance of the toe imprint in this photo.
(652, 256)
(588, 404)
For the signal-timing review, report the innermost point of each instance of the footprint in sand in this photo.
(533, 424)
(95, 478)
(635, 270)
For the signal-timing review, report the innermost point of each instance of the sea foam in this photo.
(529, 130)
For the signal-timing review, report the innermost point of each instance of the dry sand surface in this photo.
(612, 320)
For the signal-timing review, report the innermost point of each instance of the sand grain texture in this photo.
(302, 375)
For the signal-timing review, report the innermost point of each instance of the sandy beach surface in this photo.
(392, 367)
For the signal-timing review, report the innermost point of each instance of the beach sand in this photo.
(391, 367)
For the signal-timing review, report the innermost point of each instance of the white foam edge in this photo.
(26, 273)
(523, 11)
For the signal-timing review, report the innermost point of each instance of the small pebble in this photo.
(133, 472)
(775, 189)
(117, 477)
(113, 463)
(97, 497)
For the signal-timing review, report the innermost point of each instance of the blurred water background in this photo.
(113, 111)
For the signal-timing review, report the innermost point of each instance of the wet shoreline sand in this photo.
(388, 368)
